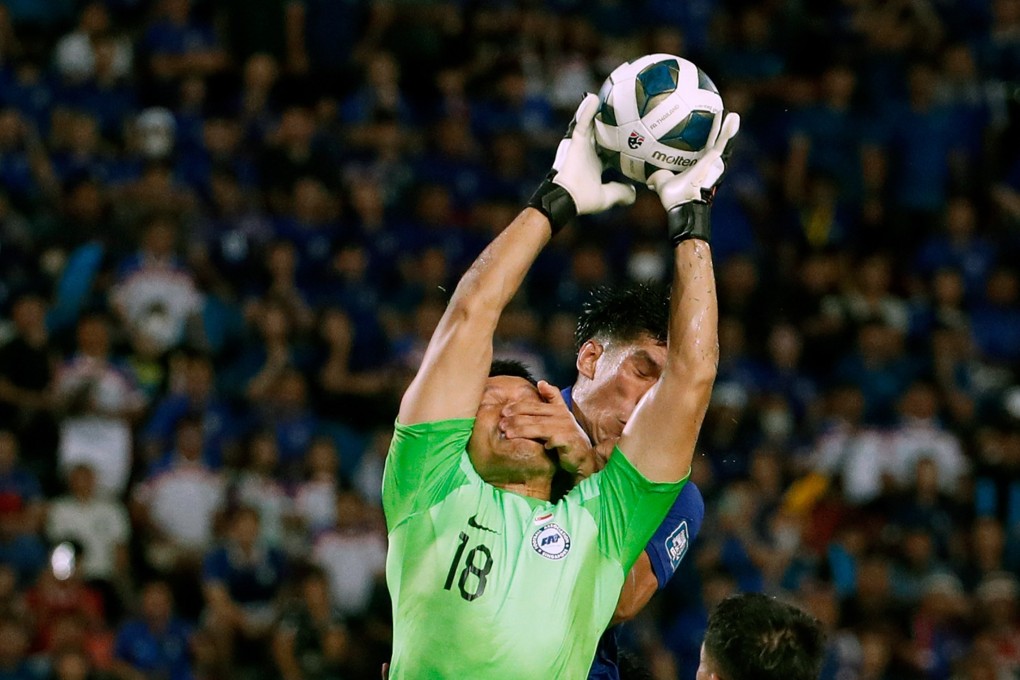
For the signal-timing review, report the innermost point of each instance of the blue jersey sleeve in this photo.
(671, 540)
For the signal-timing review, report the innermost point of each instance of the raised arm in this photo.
(452, 375)
(660, 436)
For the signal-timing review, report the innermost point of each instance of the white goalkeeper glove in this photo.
(687, 196)
(574, 185)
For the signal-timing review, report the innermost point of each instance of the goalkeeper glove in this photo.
(574, 185)
(687, 196)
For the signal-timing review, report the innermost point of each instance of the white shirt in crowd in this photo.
(315, 504)
(860, 457)
(99, 440)
(918, 439)
(157, 298)
(99, 525)
(182, 503)
(353, 562)
(865, 457)
(272, 502)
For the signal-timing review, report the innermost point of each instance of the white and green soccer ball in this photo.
(655, 112)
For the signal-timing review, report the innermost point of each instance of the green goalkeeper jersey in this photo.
(489, 584)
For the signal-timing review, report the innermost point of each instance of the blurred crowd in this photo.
(228, 228)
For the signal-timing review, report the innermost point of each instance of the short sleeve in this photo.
(626, 507)
(423, 466)
(674, 536)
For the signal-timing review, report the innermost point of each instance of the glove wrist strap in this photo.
(689, 220)
(555, 202)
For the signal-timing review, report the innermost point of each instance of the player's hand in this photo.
(551, 422)
(574, 185)
(687, 196)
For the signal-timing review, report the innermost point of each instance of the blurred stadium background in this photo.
(228, 227)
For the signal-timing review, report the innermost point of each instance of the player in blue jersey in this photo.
(621, 338)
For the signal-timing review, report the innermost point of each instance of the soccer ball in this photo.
(655, 113)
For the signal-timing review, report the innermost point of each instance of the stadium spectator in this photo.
(195, 397)
(960, 247)
(310, 640)
(100, 526)
(178, 45)
(348, 391)
(63, 607)
(881, 367)
(986, 553)
(291, 152)
(178, 501)
(997, 597)
(996, 323)
(849, 452)
(155, 294)
(254, 375)
(156, 643)
(23, 551)
(256, 485)
(25, 169)
(19, 485)
(240, 580)
(919, 436)
(283, 288)
(100, 401)
(315, 497)
(75, 56)
(352, 554)
(937, 627)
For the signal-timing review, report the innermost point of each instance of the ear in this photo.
(587, 357)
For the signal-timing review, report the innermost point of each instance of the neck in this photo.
(579, 415)
(536, 488)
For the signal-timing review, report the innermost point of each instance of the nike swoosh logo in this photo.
(475, 525)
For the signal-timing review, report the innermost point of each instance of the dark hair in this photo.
(511, 367)
(624, 313)
(631, 668)
(752, 635)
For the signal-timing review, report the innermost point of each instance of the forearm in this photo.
(659, 438)
(693, 349)
(456, 364)
(494, 278)
(638, 589)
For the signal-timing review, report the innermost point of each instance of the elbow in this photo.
(625, 611)
(696, 368)
(471, 310)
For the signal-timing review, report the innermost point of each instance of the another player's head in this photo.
(754, 636)
(621, 340)
(499, 460)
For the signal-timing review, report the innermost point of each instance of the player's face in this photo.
(612, 378)
(496, 458)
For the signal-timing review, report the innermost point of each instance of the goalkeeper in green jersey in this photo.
(488, 578)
